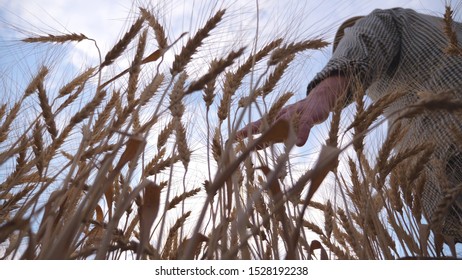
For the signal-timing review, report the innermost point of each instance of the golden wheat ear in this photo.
(59, 39)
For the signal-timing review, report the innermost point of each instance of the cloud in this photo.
(106, 20)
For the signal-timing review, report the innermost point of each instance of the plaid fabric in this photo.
(402, 50)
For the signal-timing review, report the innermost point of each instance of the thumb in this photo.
(302, 134)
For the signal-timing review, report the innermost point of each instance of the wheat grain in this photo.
(2, 111)
(216, 68)
(46, 110)
(417, 201)
(135, 67)
(259, 55)
(313, 227)
(136, 121)
(339, 236)
(88, 108)
(275, 76)
(335, 249)
(71, 98)
(443, 101)
(122, 44)
(12, 113)
(277, 106)
(328, 219)
(356, 193)
(176, 105)
(165, 134)
(393, 138)
(315, 205)
(103, 117)
(419, 163)
(216, 145)
(172, 232)
(400, 157)
(283, 52)
(448, 29)
(157, 27)
(442, 209)
(21, 169)
(163, 164)
(151, 89)
(123, 114)
(32, 86)
(21, 159)
(183, 58)
(351, 232)
(59, 39)
(37, 146)
(76, 82)
(182, 144)
(209, 93)
(234, 80)
(225, 103)
(178, 199)
(332, 141)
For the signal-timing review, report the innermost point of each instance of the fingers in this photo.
(288, 113)
(303, 133)
(250, 129)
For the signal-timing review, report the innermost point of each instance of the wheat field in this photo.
(136, 157)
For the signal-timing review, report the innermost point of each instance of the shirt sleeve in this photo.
(366, 50)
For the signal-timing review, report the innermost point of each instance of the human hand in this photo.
(307, 112)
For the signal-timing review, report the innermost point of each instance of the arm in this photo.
(366, 51)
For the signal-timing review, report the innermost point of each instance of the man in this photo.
(389, 51)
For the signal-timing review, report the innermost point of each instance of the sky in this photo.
(106, 20)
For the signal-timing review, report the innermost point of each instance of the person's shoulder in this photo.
(396, 11)
(399, 13)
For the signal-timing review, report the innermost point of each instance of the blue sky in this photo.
(106, 20)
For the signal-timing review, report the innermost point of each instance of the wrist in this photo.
(323, 97)
(329, 89)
